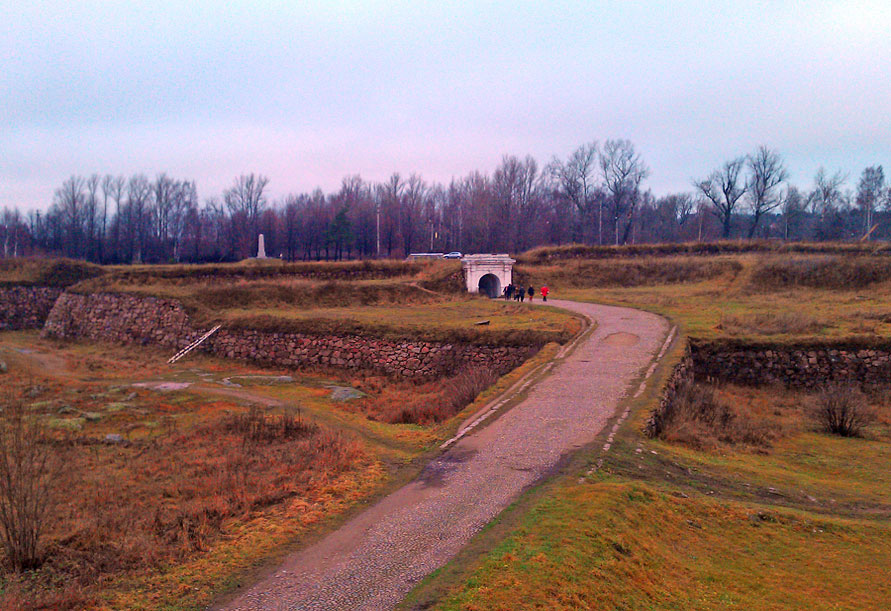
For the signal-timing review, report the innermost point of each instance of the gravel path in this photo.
(376, 558)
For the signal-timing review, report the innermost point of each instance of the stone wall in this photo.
(797, 365)
(26, 307)
(150, 320)
(681, 375)
(803, 365)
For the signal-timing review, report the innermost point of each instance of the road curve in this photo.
(373, 560)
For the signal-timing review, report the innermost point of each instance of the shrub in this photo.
(28, 470)
(842, 410)
(699, 418)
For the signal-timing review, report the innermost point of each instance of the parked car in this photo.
(452, 255)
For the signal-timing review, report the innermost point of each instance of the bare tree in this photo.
(247, 197)
(723, 189)
(623, 170)
(767, 173)
(827, 193)
(575, 182)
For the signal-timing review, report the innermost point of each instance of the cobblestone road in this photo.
(376, 558)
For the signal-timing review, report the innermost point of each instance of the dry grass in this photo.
(769, 323)
(153, 503)
(35, 271)
(701, 418)
(543, 254)
(647, 271)
(432, 402)
(819, 272)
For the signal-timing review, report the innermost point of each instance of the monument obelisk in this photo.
(261, 248)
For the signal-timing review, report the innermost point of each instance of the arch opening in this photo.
(490, 286)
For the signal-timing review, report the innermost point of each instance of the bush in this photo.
(28, 469)
(842, 410)
(699, 418)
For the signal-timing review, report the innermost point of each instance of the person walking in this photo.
(544, 293)
(531, 294)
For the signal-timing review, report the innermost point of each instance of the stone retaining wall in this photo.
(150, 320)
(800, 366)
(26, 307)
(681, 375)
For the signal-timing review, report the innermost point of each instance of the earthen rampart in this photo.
(123, 318)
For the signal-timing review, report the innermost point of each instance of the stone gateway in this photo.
(488, 274)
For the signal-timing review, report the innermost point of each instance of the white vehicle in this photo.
(452, 255)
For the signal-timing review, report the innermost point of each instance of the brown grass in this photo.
(426, 403)
(543, 254)
(273, 269)
(702, 419)
(627, 273)
(156, 502)
(34, 271)
(824, 272)
(769, 323)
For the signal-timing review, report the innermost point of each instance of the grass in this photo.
(544, 254)
(799, 523)
(209, 481)
(46, 272)
(630, 545)
(756, 303)
(506, 323)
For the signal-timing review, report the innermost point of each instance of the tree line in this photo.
(596, 195)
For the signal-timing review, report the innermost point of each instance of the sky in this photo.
(307, 93)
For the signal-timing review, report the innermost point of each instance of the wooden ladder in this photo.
(192, 346)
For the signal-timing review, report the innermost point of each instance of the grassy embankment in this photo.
(196, 487)
(757, 509)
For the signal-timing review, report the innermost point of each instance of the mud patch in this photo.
(621, 339)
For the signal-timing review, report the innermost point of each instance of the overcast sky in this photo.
(309, 94)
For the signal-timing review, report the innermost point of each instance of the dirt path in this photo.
(376, 558)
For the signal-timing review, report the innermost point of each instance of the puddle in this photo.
(163, 386)
(621, 339)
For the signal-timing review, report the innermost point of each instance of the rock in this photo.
(114, 438)
(117, 407)
(345, 393)
(92, 416)
(66, 409)
(3, 367)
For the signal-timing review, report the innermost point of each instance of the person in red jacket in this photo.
(544, 293)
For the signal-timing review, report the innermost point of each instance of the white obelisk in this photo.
(261, 249)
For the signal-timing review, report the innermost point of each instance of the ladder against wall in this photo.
(192, 346)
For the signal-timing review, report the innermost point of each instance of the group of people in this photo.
(518, 293)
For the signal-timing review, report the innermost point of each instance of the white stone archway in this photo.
(487, 274)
